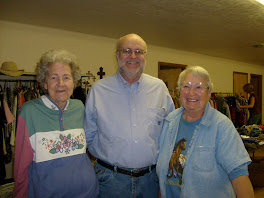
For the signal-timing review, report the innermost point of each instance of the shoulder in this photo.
(153, 82)
(216, 116)
(151, 79)
(31, 104)
(220, 123)
(30, 107)
(253, 95)
(103, 82)
(76, 107)
(76, 103)
(174, 114)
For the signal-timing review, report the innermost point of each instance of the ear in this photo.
(45, 85)
(209, 93)
(117, 55)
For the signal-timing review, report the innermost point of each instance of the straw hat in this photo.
(10, 68)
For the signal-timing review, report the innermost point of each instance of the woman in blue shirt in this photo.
(201, 153)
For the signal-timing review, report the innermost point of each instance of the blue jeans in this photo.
(117, 185)
(253, 119)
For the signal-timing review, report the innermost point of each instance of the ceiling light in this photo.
(258, 45)
(261, 1)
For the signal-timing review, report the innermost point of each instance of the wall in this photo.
(24, 44)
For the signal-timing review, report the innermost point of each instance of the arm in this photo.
(250, 105)
(23, 159)
(90, 126)
(231, 152)
(243, 187)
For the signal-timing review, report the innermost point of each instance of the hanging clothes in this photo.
(2, 139)
(12, 92)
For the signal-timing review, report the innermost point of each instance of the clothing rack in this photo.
(225, 94)
(16, 80)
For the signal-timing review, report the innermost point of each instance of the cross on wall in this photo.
(101, 73)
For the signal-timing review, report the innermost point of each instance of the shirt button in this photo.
(62, 118)
(63, 111)
(134, 125)
(136, 141)
(63, 126)
(133, 109)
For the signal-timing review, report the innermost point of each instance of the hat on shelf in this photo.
(10, 68)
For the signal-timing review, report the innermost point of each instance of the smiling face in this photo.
(194, 95)
(59, 83)
(131, 66)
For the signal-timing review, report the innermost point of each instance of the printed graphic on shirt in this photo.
(63, 143)
(177, 161)
(58, 144)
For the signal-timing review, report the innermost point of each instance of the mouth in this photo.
(132, 62)
(60, 91)
(192, 100)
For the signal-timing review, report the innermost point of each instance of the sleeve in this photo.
(90, 126)
(239, 171)
(230, 151)
(169, 101)
(23, 159)
(171, 105)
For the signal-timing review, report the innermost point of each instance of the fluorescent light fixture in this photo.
(261, 1)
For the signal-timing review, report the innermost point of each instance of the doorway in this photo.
(239, 80)
(169, 73)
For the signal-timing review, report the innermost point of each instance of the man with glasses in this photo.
(124, 118)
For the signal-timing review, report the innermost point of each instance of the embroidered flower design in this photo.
(63, 143)
(53, 107)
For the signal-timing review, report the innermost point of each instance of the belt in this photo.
(134, 173)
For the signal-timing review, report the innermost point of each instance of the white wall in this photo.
(24, 44)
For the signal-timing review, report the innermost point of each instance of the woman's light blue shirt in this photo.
(214, 151)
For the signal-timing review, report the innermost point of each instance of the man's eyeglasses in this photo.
(198, 88)
(129, 52)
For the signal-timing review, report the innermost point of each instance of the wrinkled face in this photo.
(131, 64)
(194, 94)
(59, 83)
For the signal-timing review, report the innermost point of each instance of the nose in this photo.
(192, 90)
(61, 81)
(133, 54)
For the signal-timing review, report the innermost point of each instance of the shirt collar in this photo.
(205, 119)
(52, 105)
(125, 83)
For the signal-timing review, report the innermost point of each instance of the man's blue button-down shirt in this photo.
(123, 122)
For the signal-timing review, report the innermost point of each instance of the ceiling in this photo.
(220, 28)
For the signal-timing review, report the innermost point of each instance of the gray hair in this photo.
(196, 71)
(53, 56)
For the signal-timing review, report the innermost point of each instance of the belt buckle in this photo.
(136, 171)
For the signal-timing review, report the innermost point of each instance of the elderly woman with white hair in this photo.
(50, 150)
(200, 152)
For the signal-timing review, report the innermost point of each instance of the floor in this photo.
(259, 192)
(256, 172)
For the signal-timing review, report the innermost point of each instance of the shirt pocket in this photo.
(204, 159)
(155, 119)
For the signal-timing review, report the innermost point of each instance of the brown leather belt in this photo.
(133, 173)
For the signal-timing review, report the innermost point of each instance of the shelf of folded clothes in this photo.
(253, 139)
